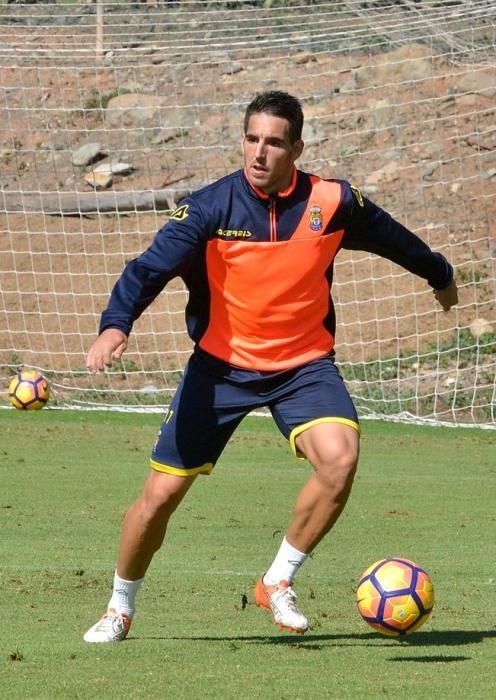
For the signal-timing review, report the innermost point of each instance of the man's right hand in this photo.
(109, 346)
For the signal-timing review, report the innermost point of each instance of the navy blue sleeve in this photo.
(371, 229)
(146, 276)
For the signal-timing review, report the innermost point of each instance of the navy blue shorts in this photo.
(213, 398)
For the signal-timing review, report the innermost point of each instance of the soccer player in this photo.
(255, 250)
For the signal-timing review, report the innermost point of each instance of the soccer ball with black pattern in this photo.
(29, 391)
(395, 596)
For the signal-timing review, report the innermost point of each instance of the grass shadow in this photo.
(437, 659)
(422, 639)
(449, 637)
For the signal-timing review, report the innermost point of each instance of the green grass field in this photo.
(66, 479)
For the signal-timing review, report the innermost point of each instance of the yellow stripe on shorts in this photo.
(301, 428)
(167, 469)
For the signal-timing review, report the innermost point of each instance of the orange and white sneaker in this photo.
(281, 601)
(111, 627)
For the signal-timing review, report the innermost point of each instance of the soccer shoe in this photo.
(281, 600)
(111, 627)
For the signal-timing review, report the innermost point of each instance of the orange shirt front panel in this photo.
(269, 299)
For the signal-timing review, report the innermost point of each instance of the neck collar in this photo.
(282, 193)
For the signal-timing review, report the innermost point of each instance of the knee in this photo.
(152, 504)
(335, 465)
(161, 495)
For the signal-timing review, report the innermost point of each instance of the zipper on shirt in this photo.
(272, 219)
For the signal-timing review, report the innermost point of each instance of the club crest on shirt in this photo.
(315, 214)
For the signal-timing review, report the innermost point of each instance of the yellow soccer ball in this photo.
(29, 391)
(395, 596)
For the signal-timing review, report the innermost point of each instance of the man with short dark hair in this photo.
(255, 250)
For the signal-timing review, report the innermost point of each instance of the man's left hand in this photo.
(448, 296)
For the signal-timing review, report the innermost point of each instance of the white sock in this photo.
(284, 567)
(124, 594)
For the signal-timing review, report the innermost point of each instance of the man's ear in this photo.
(298, 147)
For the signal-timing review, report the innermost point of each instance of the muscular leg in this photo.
(142, 534)
(145, 523)
(332, 449)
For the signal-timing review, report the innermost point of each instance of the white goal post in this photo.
(111, 112)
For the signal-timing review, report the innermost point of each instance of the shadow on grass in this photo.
(438, 659)
(317, 641)
(449, 637)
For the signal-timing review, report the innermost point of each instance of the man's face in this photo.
(268, 153)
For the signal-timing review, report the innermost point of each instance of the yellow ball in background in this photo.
(29, 390)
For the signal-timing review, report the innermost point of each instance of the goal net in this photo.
(111, 112)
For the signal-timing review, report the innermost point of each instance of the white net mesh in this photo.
(111, 112)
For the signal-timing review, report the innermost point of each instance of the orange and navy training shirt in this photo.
(259, 268)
